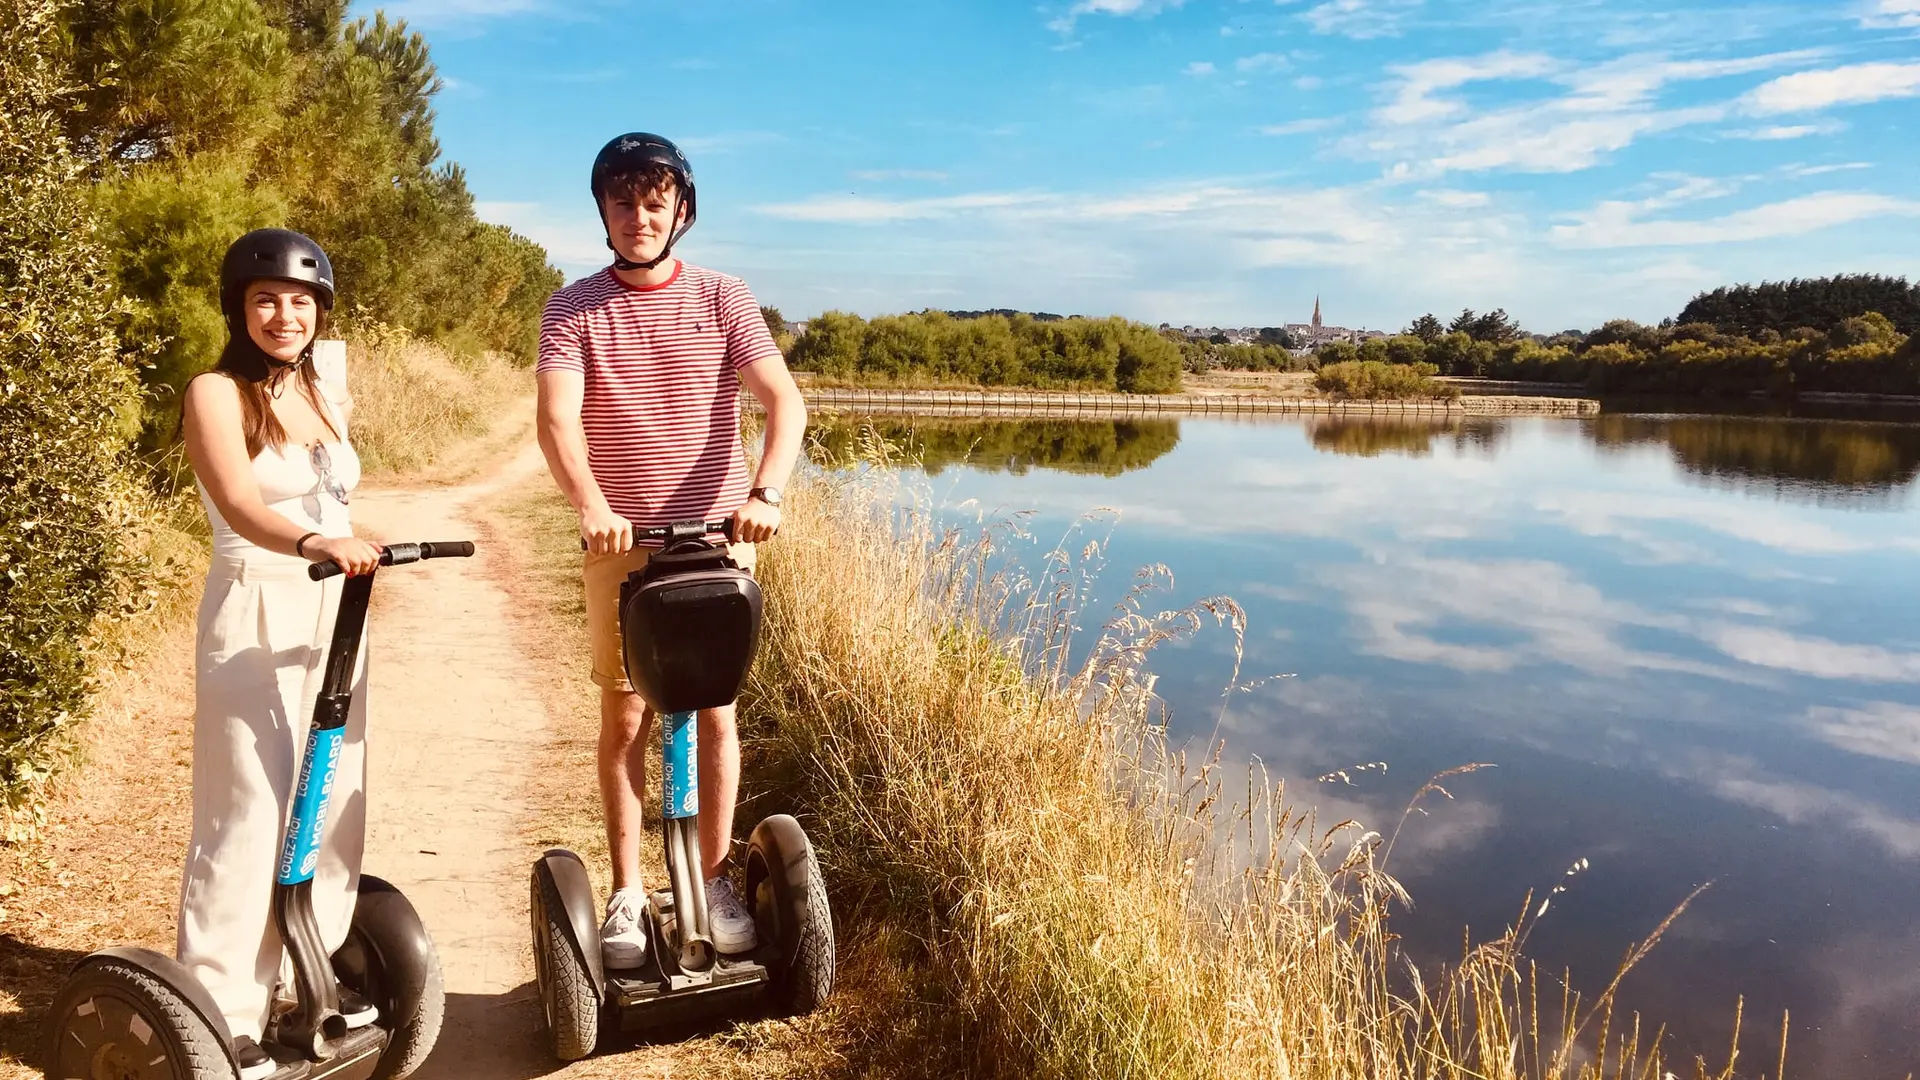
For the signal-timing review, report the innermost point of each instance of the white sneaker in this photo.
(731, 923)
(623, 937)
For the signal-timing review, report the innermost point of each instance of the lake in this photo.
(1687, 643)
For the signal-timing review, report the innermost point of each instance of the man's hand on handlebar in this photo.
(354, 555)
(755, 522)
(605, 532)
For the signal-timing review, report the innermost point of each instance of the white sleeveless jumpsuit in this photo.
(264, 629)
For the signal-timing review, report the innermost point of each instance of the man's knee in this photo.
(719, 725)
(624, 718)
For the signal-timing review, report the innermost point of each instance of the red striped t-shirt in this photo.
(661, 411)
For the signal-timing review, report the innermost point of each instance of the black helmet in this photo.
(276, 255)
(628, 154)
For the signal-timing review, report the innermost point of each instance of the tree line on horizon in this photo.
(1849, 333)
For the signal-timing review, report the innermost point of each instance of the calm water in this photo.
(1688, 643)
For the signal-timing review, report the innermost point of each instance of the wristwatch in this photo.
(768, 495)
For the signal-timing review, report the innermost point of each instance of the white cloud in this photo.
(1883, 729)
(1738, 779)
(1200, 68)
(866, 210)
(1823, 659)
(1456, 200)
(1854, 84)
(1603, 108)
(1300, 127)
(1891, 14)
(1359, 19)
(1773, 526)
(1619, 224)
(1413, 101)
(1821, 170)
(1266, 61)
(1143, 8)
(1309, 82)
(1405, 604)
(1783, 132)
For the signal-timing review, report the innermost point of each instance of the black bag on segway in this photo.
(689, 626)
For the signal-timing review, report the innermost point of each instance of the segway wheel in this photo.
(572, 1008)
(114, 1021)
(389, 958)
(790, 905)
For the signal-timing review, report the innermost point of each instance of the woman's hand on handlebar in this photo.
(606, 532)
(755, 522)
(355, 556)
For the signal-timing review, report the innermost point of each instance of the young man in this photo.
(639, 376)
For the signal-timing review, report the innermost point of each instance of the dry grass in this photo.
(422, 413)
(1030, 884)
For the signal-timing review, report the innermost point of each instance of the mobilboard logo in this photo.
(309, 817)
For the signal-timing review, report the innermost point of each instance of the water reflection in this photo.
(1811, 461)
(1103, 447)
(1678, 681)
(1412, 437)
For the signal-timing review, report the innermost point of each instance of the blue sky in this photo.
(1214, 161)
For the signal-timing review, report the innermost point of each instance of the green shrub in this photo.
(1377, 380)
(935, 348)
(67, 405)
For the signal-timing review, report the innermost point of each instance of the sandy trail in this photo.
(458, 726)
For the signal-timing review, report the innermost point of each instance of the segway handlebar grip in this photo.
(724, 527)
(401, 554)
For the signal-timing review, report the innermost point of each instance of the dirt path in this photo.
(460, 722)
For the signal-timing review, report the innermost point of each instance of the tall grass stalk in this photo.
(1044, 887)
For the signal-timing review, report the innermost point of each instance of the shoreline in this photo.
(1102, 405)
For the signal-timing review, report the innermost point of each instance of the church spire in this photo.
(1316, 313)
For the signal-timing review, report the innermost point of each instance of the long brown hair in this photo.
(254, 373)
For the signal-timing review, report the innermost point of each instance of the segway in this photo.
(135, 1014)
(689, 624)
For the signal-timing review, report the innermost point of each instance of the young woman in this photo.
(275, 471)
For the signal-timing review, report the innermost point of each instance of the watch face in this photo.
(768, 495)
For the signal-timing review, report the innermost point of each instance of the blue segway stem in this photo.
(300, 854)
(680, 765)
(316, 1013)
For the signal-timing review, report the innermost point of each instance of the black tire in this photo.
(94, 1029)
(568, 1001)
(389, 958)
(790, 907)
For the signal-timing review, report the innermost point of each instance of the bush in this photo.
(934, 348)
(67, 406)
(1374, 380)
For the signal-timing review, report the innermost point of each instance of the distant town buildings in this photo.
(1306, 336)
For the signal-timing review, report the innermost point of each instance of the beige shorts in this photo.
(603, 574)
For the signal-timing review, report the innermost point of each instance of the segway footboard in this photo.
(647, 999)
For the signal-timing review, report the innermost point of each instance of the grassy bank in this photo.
(1028, 883)
(96, 860)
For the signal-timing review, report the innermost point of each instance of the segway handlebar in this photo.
(401, 554)
(678, 529)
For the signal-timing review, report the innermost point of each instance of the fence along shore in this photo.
(1097, 405)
